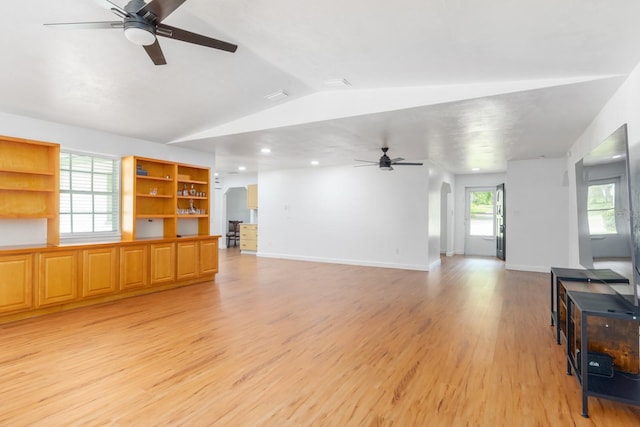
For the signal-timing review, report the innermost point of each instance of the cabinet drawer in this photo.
(249, 245)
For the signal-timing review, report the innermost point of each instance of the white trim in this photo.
(532, 268)
(347, 261)
(434, 264)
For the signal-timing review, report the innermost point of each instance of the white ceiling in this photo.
(462, 83)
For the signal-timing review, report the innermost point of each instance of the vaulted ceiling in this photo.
(462, 83)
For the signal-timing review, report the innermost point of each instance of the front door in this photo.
(480, 233)
(500, 223)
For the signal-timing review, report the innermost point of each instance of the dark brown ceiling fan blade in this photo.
(160, 9)
(397, 159)
(187, 36)
(155, 53)
(86, 25)
(368, 164)
(406, 164)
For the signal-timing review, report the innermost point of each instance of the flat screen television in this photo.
(608, 190)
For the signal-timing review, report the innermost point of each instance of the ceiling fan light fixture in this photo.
(139, 33)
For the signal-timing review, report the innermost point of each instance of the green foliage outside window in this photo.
(601, 209)
(481, 219)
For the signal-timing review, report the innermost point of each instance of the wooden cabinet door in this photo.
(134, 267)
(99, 271)
(208, 257)
(187, 260)
(252, 196)
(16, 282)
(57, 277)
(162, 263)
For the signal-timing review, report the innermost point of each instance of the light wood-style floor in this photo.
(288, 343)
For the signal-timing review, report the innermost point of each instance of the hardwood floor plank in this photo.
(290, 343)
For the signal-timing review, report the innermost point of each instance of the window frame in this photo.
(468, 215)
(600, 182)
(114, 195)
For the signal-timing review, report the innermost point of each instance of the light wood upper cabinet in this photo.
(58, 276)
(193, 196)
(99, 271)
(30, 182)
(16, 282)
(158, 189)
(148, 192)
(252, 196)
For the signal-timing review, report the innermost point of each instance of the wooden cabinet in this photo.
(249, 237)
(603, 326)
(16, 282)
(162, 263)
(99, 271)
(208, 259)
(45, 279)
(186, 260)
(171, 192)
(57, 277)
(134, 267)
(30, 182)
(252, 196)
(148, 192)
(193, 196)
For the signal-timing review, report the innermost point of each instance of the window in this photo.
(89, 196)
(601, 208)
(481, 213)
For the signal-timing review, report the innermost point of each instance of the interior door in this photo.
(500, 223)
(480, 238)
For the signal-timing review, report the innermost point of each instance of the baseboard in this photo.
(346, 261)
(533, 268)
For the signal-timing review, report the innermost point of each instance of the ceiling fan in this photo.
(142, 23)
(387, 163)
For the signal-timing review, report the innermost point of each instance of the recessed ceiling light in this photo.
(617, 156)
(242, 168)
(337, 83)
(475, 169)
(265, 150)
(315, 162)
(216, 174)
(276, 96)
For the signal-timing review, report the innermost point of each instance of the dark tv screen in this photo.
(606, 191)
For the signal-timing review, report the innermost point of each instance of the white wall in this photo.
(537, 212)
(623, 107)
(462, 182)
(438, 215)
(347, 215)
(22, 232)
